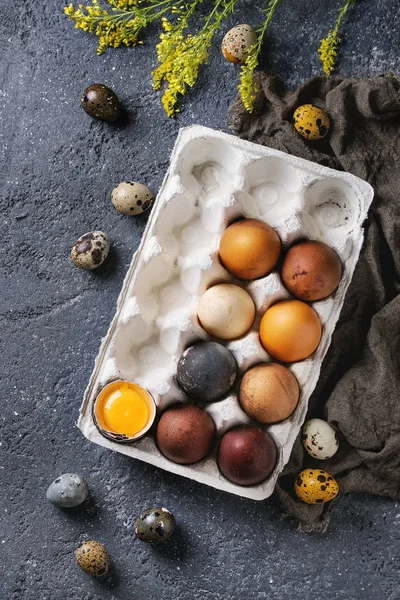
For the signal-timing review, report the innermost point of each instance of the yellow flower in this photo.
(328, 50)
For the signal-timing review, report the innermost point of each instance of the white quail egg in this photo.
(90, 250)
(131, 198)
(237, 43)
(320, 439)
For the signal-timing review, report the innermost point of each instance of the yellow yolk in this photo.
(125, 411)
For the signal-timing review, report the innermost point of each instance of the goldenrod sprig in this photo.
(181, 57)
(123, 25)
(247, 86)
(328, 46)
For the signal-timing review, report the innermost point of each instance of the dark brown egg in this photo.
(185, 434)
(100, 102)
(311, 270)
(247, 455)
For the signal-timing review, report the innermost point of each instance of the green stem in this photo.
(270, 13)
(342, 13)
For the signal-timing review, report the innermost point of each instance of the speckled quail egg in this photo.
(68, 490)
(90, 250)
(320, 439)
(100, 102)
(92, 557)
(315, 486)
(131, 198)
(155, 525)
(237, 43)
(311, 122)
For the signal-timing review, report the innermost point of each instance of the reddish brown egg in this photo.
(311, 270)
(269, 393)
(290, 330)
(185, 434)
(249, 248)
(247, 455)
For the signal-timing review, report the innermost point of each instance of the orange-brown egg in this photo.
(249, 248)
(290, 330)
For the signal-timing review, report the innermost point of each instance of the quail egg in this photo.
(131, 198)
(155, 525)
(100, 102)
(92, 557)
(320, 439)
(311, 122)
(237, 43)
(90, 250)
(315, 486)
(68, 490)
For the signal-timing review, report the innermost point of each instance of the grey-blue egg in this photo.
(206, 371)
(155, 525)
(68, 490)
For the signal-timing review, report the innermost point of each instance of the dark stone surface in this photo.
(57, 170)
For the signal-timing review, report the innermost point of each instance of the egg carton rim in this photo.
(364, 192)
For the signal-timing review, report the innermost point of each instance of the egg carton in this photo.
(213, 179)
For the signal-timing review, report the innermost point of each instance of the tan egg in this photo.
(249, 248)
(269, 393)
(315, 486)
(92, 557)
(290, 330)
(237, 43)
(311, 122)
(90, 250)
(131, 198)
(226, 311)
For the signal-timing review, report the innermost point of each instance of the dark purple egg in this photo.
(206, 371)
(247, 455)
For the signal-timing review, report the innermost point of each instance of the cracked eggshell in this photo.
(90, 250)
(131, 198)
(237, 43)
(320, 439)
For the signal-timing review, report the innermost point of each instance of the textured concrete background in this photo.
(57, 170)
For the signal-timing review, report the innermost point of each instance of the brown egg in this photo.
(290, 330)
(92, 557)
(269, 393)
(311, 270)
(249, 248)
(247, 455)
(185, 434)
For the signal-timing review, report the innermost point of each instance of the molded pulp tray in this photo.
(212, 180)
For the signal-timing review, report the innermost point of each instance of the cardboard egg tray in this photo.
(212, 180)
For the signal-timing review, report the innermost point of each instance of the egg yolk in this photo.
(125, 411)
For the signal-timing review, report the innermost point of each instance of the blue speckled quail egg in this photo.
(237, 43)
(90, 250)
(68, 490)
(320, 439)
(131, 198)
(92, 557)
(155, 525)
